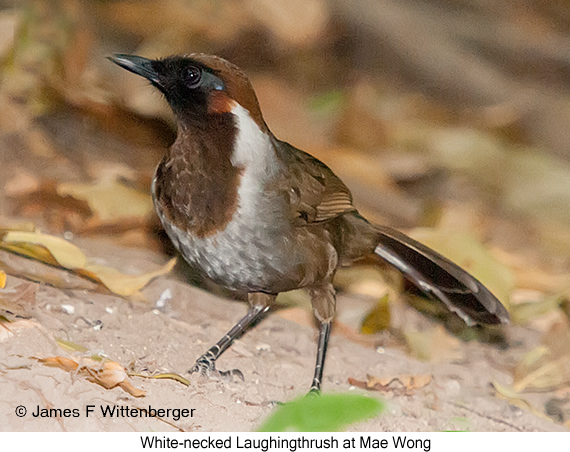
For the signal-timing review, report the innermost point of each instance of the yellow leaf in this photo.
(110, 200)
(65, 253)
(122, 284)
(550, 375)
(2, 279)
(28, 227)
(513, 397)
(378, 319)
(57, 251)
(69, 346)
(166, 376)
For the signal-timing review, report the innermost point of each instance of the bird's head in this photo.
(197, 85)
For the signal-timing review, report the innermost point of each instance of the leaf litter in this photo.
(57, 251)
(402, 385)
(106, 373)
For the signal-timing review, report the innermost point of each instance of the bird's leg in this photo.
(324, 333)
(324, 304)
(206, 364)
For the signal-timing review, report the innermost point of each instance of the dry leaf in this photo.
(512, 396)
(35, 270)
(69, 346)
(122, 284)
(65, 253)
(110, 200)
(165, 376)
(59, 212)
(108, 374)
(57, 251)
(364, 280)
(378, 319)
(526, 311)
(2, 279)
(546, 367)
(528, 276)
(24, 226)
(435, 345)
(403, 384)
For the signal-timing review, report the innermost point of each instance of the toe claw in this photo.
(207, 368)
(228, 375)
(238, 373)
(204, 366)
(314, 391)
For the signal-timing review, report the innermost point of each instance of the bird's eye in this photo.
(193, 77)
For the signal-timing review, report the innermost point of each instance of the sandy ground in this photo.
(276, 358)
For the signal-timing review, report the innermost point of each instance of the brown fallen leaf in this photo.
(108, 374)
(403, 384)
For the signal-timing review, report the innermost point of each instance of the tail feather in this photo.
(439, 277)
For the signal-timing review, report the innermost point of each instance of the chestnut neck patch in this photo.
(196, 183)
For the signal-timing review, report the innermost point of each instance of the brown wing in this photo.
(316, 193)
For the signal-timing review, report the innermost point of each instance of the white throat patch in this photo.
(253, 148)
(254, 153)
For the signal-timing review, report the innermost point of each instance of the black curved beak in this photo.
(137, 65)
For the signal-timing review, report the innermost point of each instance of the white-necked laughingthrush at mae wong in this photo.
(261, 217)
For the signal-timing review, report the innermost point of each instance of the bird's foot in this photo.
(206, 367)
(314, 391)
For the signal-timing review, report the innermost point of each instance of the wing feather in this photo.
(317, 194)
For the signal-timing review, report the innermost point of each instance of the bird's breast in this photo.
(251, 253)
(230, 215)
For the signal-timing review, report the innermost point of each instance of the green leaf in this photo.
(324, 413)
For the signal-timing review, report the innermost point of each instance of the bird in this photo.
(261, 217)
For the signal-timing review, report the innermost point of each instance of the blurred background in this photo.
(449, 119)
